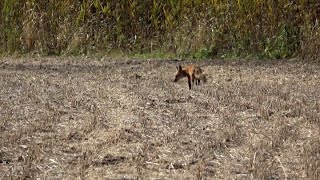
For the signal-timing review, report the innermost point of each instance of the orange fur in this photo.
(192, 72)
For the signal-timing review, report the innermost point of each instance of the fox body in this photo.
(192, 72)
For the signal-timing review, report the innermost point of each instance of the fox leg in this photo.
(190, 79)
(189, 83)
(194, 79)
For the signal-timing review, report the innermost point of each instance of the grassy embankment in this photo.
(170, 28)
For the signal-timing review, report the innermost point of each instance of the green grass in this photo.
(161, 29)
(154, 55)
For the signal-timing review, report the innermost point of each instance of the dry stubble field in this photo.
(78, 118)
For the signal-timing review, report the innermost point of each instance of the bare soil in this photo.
(82, 118)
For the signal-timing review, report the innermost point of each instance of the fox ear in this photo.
(179, 67)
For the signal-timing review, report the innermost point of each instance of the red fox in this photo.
(192, 72)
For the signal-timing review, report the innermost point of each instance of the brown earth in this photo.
(82, 118)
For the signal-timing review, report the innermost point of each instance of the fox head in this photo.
(180, 74)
